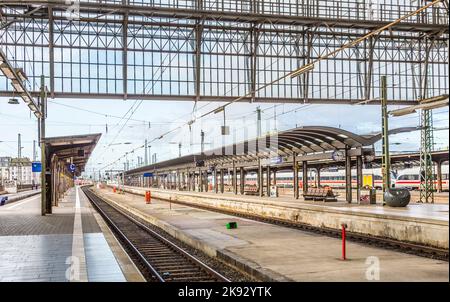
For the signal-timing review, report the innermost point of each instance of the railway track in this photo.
(400, 246)
(162, 260)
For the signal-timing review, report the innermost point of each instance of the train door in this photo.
(368, 181)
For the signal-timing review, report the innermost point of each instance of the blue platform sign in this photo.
(148, 174)
(72, 168)
(276, 160)
(36, 166)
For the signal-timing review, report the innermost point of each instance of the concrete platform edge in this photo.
(419, 231)
(129, 269)
(227, 257)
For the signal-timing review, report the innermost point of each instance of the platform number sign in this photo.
(72, 168)
(36, 167)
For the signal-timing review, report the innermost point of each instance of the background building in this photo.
(20, 171)
(4, 169)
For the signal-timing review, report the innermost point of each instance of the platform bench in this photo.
(320, 194)
(250, 190)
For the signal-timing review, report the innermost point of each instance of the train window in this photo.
(408, 177)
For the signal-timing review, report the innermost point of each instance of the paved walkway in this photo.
(281, 252)
(68, 245)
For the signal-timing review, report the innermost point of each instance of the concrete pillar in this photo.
(305, 176)
(295, 171)
(274, 181)
(348, 176)
(439, 176)
(359, 177)
(222, 181)
(242, 180)
(268, 180)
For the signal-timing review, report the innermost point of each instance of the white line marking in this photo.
(77, 201)
(78, 252)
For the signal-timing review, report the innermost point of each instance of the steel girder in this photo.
(208, 51)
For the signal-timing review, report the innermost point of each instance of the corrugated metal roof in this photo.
(66, 147)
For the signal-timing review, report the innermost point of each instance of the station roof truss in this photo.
(317, 145)
(220, 50)
(77, 148)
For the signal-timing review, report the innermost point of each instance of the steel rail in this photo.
(92, 197)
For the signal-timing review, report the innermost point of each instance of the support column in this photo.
(348, 177)
(439, 176)
(205, 175)
(295, 171)
(188, 174)
(260, 179)
(305, 176)
(200, 180)
(274, 177)
(318, 176)
(242, 180)
(183, 179)
(216, 183)
(222, 180)
(235, 189)
(268, 180)
(359, 177)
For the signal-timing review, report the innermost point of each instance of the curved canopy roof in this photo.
(301, 140)
(77, 147)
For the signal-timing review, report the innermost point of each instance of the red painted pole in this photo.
(344, 226)
(148, 197)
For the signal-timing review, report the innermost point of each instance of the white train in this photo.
(402, 178)
(410, 178)
(333, 179)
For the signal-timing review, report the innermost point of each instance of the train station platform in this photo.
(72, 244)
(13, 197)
(277, 253)
(425, 224)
